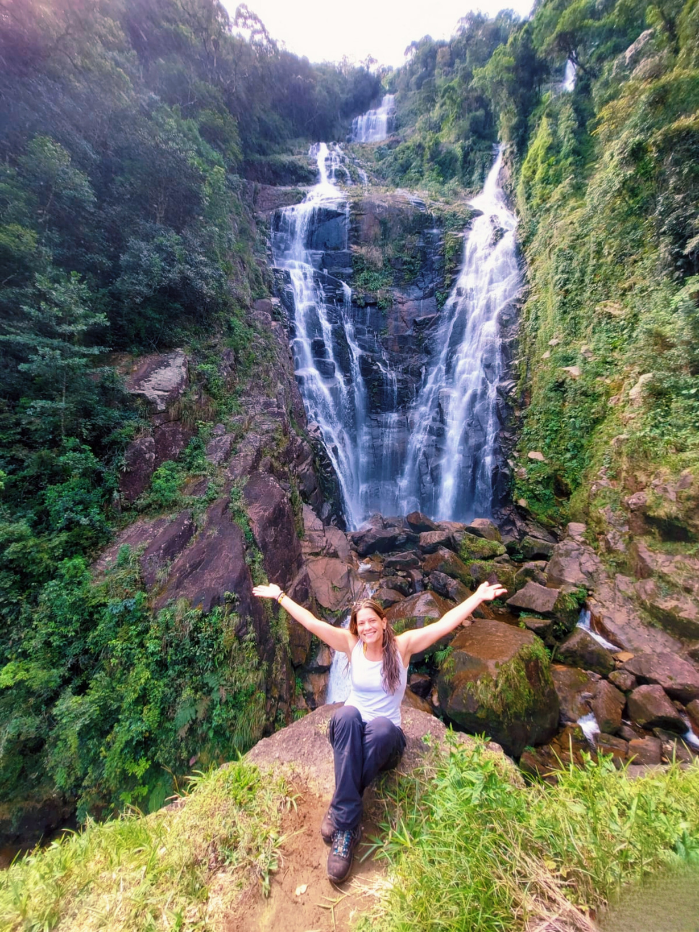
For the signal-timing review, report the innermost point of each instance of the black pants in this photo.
(361, 751)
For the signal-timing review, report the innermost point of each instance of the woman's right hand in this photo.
(272, 591)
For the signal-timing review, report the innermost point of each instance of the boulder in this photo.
(542, 627)
(412, 700)
(482, 571)
(447, 562)
(402, 561)
(447, 587)
(305, 748)
(693, 712)
(646, 750)
(431, 541)
(580, 649)
(608, 704)
(567, 748)
(421, 684)
(617, 747)
(484, 527)
(572, 563)
(387, 597)
(369, 540)
(576, 690)
(530, 572)
(415, 612)
(651, 708)
(533, 549)
(478, 548)
(678, 677)
(674, 747)
(623, 680)
(497, 680)
(399, 583)
(420, 523)
(534, 598)
(165, 547)
(576, 531)
(138, 535)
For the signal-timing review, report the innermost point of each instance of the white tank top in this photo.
(368, 695)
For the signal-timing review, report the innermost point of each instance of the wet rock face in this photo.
(575, 689)
(497, 681)
(580, 649)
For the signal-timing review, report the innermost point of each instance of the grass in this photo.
(174, 869)
(470, 850)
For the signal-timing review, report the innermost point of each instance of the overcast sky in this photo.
(326, 31)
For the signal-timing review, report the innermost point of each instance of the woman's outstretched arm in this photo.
(412, 642)
(337, 638)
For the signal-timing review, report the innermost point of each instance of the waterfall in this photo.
(326, 367)
(458, 396)
(568, 82)
(396, 448)
(374, 125)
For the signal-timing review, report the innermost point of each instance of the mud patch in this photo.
(322, 906)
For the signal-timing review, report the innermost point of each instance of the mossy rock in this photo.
(566, 611)
(478, 548)
(497, 680)
(486, 571)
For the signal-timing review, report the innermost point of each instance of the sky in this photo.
(327, 31)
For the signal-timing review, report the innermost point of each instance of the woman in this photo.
(365, 733)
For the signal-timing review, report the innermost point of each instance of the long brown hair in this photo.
(390, 669)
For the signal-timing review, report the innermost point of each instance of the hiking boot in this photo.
(327, 828)
(341, 853)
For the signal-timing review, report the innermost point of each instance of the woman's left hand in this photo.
(487, 591)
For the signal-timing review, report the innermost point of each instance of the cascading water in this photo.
(458, 396)
(332, 389)
(396, 450)
(569, 76)
(374, 125)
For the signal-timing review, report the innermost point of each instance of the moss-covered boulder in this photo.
(444, 561)
(497, 680)
(486, 571)
(478, 548)
(417, 611)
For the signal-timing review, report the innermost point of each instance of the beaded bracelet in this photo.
(280, 597)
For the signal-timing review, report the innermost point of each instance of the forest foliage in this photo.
(129, 133)
(605, 181)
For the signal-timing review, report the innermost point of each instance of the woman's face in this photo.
(370, 627)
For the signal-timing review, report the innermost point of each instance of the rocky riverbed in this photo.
(525, 672)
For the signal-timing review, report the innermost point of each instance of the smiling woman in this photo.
(365, 733)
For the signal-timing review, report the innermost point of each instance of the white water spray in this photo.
(374, 125)
(585, 622)
(459, 393)
(436, 452)
(569, 77)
